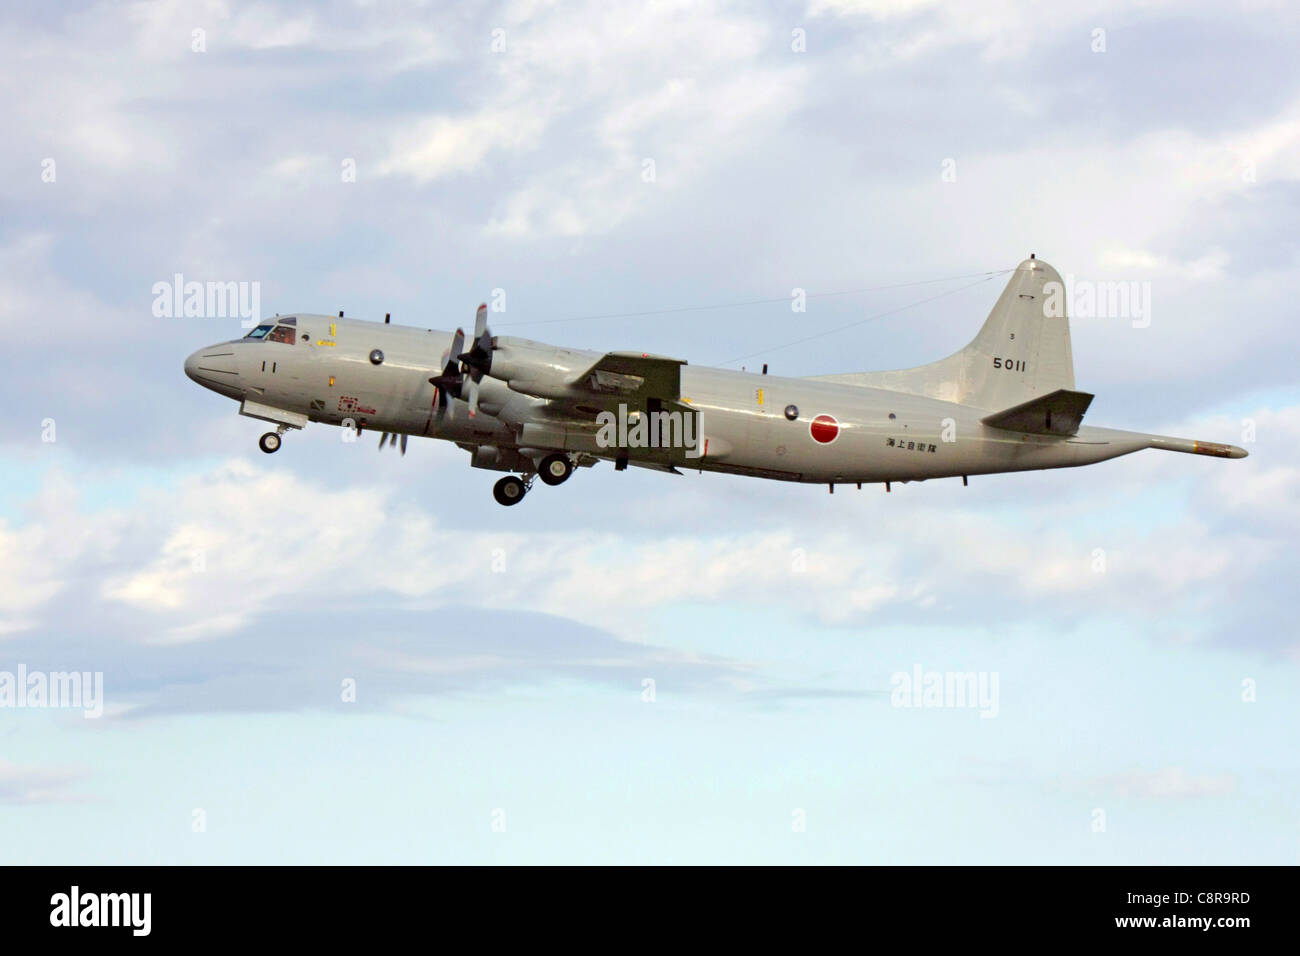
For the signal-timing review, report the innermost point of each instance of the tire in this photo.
(509, 491)
(555, 469)
(269, 443)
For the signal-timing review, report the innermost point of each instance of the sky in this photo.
(338, 655)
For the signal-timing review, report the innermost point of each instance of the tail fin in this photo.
(1022, 352)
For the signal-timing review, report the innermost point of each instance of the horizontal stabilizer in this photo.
(1057, 413)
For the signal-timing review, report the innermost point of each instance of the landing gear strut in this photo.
(510, 490)
(269, 443)
(555, 469)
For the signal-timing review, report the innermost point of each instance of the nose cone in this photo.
(216, 367)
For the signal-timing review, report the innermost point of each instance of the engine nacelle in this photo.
(536, 368)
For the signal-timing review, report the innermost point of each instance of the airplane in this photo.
(1006, 402)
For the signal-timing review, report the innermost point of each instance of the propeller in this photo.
(391, 438)
(477, 362)
(450, 380)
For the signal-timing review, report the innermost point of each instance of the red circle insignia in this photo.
(824, 429)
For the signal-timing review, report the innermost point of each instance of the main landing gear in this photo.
(555, 469)
(510, 490)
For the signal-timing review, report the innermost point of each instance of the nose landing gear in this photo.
(270, 442)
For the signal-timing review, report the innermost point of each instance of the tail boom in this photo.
(1191, 446)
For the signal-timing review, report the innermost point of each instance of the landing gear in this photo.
(269, 443)
(555, 469)
(509, 490)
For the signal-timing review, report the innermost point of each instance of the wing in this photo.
(629, 385)
(635, 379)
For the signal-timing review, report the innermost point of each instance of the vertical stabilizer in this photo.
(1021, 352)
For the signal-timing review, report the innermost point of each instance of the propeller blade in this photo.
(391, 439)
(447, 385)
(472, 397)
(453, 354)
(479, 356)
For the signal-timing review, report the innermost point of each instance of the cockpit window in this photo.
(258, 332)
(282, 333)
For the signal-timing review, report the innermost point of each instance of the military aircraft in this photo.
(1006, 402)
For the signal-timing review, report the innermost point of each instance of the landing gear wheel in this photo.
(555, 469)
(509, 490)
(269, 443)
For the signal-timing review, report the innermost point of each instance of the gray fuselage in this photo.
(793, 429)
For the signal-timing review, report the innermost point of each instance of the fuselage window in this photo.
(258, 332)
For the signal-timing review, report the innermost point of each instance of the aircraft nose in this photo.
(215, 367)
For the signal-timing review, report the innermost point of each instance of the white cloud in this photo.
(215, 551)
(444, 145)
(35, 785)
(38, 554)
(1206, 268)
(1171, 783)
(582, 96)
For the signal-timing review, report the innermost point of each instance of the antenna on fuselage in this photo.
(387, 316)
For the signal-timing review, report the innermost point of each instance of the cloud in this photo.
(914, 28)
(38, 554)
(322, 654)
(216, 550)
(39, 785)
(445, 145)
(1139, 262)
(579, 119)
(1171, 783)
